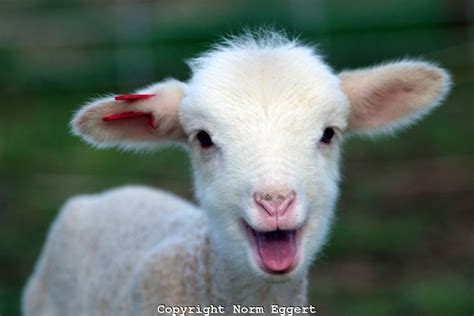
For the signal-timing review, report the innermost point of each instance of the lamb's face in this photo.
(264, 128)
(264, 118)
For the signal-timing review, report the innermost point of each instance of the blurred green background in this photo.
(403, 242)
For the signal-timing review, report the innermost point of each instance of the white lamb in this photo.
(262, 118)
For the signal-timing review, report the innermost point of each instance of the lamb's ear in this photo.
(393, 95)
(143, 120)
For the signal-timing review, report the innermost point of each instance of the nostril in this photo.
(268, 197)
(274, 204)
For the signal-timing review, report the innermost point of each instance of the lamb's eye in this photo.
(328, 134)
(204, 139)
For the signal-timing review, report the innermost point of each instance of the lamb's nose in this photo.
(274, 203)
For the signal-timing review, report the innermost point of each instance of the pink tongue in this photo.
(277, 249)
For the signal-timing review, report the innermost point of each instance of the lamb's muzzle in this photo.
(275, 204)
(277, 251)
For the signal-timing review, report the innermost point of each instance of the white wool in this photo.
(127, 250)
(265, 101)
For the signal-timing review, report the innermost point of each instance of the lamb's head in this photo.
(263, 120)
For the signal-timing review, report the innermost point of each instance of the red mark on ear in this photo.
(133, 97)
(131, 115)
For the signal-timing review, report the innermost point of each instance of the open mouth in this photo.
(276, 251)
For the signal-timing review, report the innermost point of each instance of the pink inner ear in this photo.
(131, 115)
(133, 97)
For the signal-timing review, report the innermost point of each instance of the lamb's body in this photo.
(125, 251)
